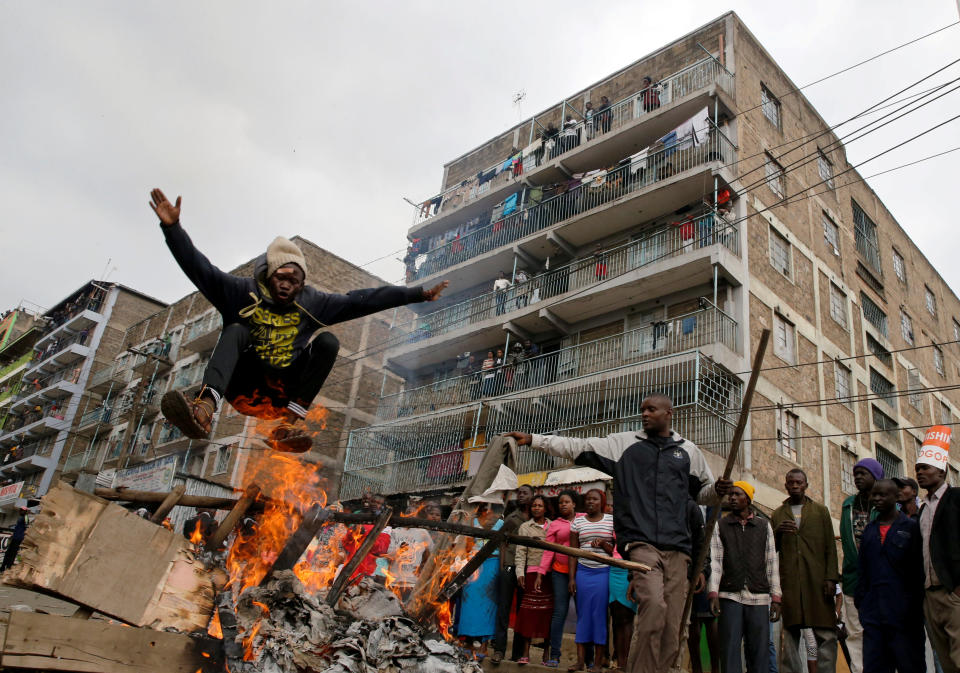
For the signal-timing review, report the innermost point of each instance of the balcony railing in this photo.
(670, 241)
(60, 344)
(700, 75)
(30, 386)
(602, 189)
(210, 323)
(682, 333)
(438, 450)
(15, 365)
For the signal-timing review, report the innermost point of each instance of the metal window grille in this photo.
(956, 330)
(931, 301)
(830, 233)
(770, 106)
(915, 396)
(788, 445)
(882, 387)
(899, 267)
(888, 426)
(875, 347)
(873, 314)
(847, 459)
(825, 168)
(865, 236)
(938, 360)
(779, 252)
(945, 416)
(784, 340)
(892, 465)
(838, 305)
(774, 175)
(841, 379)
(224, 453)
(906, 328)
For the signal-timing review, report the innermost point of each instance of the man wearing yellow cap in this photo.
(744, 585)
(940, 527)
(273, 354)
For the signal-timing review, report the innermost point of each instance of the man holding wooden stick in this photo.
(655, 473)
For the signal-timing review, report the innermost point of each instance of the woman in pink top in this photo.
(558, 567)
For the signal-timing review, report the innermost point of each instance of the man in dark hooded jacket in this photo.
(273, 354)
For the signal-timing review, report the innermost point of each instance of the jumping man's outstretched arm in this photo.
(218, 287)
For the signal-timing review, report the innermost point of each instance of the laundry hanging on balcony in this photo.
(693, 132)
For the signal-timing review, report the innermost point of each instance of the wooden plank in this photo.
(52, 643)
(110, 560)
(169, 503)
(233, 518)
(147, 497)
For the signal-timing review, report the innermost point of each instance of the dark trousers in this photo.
(10, 556)
(561, 606)
(890, 648)
(749, 624)
(236, 372)
(507, 587)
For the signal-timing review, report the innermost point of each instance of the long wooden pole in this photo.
(231, 520)
(727, 469)
(175, 496)
(126, 495)
(347, 571)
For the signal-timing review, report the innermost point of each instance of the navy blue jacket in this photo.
(890, 580)
(279, 333)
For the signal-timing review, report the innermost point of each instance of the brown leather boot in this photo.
(291, 436)
(194, 419)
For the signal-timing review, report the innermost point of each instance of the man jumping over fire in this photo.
(273, 355)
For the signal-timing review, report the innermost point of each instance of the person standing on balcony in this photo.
(855, 514)
(273, 356)
(650, 96)
(500, 287)
(522, 292)
(808, 575)
(655, 471)
(604, 116)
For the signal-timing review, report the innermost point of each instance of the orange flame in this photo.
(196, 537)
(214, 630)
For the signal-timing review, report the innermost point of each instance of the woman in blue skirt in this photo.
(589, 580)
(477, 612)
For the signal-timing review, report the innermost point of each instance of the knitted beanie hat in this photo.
(746, 487)
(284, 251)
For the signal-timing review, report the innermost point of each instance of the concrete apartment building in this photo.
(654, 248)
(123, 438)
(53, 360)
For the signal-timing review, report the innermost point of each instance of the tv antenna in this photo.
(518, 101)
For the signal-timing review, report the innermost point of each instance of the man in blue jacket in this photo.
(889, 592)
(273, 355)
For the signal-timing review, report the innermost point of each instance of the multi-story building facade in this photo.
(121, 431)
(44, 411)
(644, 227)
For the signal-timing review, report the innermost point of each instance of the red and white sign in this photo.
(10, 493)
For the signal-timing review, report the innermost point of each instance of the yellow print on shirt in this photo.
(273, 335)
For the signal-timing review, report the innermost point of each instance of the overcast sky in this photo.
(316, 118)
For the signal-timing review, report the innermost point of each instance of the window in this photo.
(892, 466)
(779, 252)
(915, 395)
(865, 235)
(841, 380)
(917, 445)
(223, 459)
(825, 168)
(838, 305)
(873, 314)
(770, 106)
(887, 425)
(875, 347)
(906, 327)
(830, 233)
(784, 340)
(938, 360)
(956, 330)
(774, 174)
(899, 267)
(788, 445)
(953, 476)
(945, 416)
(881, 387)
(847, 460)
(931, 301)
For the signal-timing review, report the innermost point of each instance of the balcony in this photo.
(79, 318)
(28, 457)
(96, 420)
(60, 352)
(444, 449)
(609, 203)
(54, 386)
(598, 141)
(699, 329)
(202, 335)
(628, 274)
(14, 367)
(155, 358)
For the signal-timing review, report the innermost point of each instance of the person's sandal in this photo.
(523, 661)
(193, 419)
(290, 437)
(496, 658)
(551, 663)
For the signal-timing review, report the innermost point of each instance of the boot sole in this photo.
(176, 408)
(298, 444)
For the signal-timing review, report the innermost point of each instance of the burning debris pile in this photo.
(288, 630)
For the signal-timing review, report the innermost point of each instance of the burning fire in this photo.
(196, 537)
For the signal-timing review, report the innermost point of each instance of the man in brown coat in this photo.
(808, 575)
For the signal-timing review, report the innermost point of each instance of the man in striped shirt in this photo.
(744, 587)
